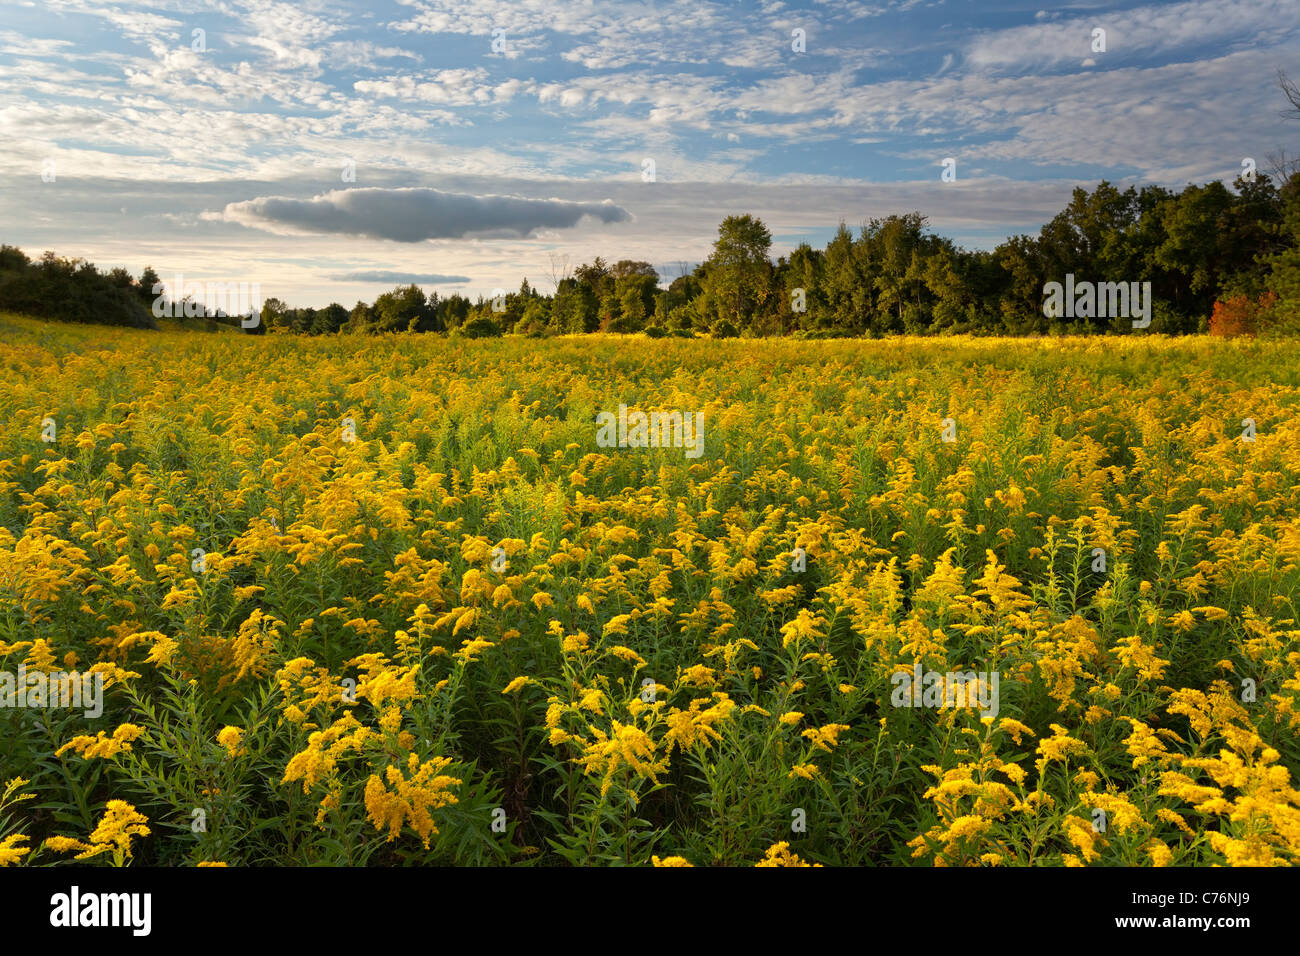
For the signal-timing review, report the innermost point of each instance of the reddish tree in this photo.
(1240, 315)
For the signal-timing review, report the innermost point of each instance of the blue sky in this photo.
(327, 152)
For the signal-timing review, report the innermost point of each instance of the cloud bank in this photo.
(399, 278)
(413, 215)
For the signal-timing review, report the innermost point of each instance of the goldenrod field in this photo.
(343, 677)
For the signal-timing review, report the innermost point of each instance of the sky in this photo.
(329, 151)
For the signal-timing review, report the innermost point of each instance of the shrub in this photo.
(480, 328)
(621, 325)
(531, 327)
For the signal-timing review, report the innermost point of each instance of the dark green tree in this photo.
(739, 276)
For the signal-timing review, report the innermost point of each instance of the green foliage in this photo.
(480, 327)
(71, 290)
(738, 281)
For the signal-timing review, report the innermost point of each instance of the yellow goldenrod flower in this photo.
(422, 789)
(778, 854)
(10, 851)
(101, 745)
(230, 738)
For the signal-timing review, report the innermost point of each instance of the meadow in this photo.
(385, 600)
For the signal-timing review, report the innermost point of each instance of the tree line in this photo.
(1207, 250)
(73, 290)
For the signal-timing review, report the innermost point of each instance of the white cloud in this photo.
(1156, 29)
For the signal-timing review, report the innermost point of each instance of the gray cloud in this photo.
(412, 215)
(400, 278)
